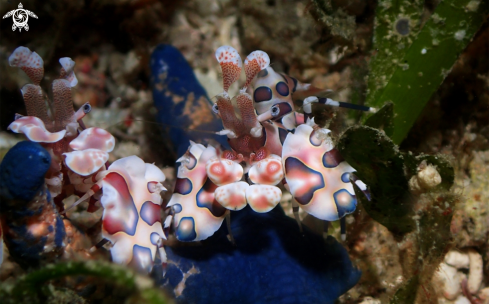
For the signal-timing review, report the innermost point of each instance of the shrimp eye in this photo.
(275, 111)
(87, 108)
(280, 109)
(215, 108)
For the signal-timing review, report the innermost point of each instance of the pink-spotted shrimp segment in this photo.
(231, 65)
(265, 174)
(131, 219)
(196, 213)
(317, 175)
(91, 151)
(67, 65)
(93, 138)
(30, 62)
(35, 130)
(88, 160)
(254, 63)
(226, 174)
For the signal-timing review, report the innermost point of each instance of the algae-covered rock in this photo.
(379, 163)
(406, 294)
(439, 162)
(474, 212)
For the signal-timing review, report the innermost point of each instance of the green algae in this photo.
(33, 287)
(383, 119)
(409, 66)
(391, 42)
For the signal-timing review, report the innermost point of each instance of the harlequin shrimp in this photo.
(270, 144)
(55, 125)
(62, 158)
(33, 174)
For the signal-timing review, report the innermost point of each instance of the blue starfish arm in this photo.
(24, 197)
(272, 262)
(22, 171)
(181, 101)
